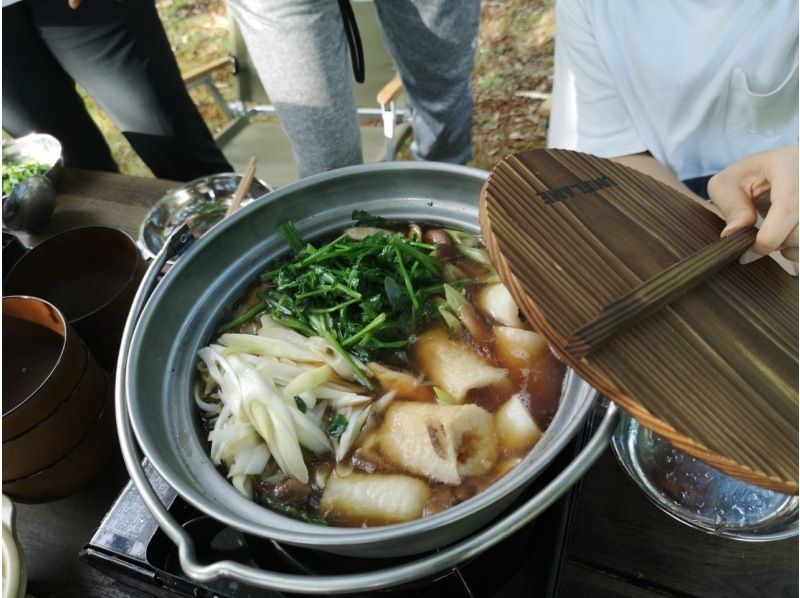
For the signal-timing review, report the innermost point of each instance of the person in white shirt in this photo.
(683, 89)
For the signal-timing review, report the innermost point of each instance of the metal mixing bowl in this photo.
(698, 495)
(181, 315)
(204, 200)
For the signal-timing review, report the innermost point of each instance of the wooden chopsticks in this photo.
(244, 186)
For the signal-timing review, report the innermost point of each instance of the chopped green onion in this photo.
(16, 172)
(245, 317)
(453, 323)
(443, 397)
(462, 238)
(337, 426)
(309, 379)
(289, 510)
(477, 255)
(455, 300)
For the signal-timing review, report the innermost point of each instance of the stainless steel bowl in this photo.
(205, 200)
(698, 495)
(41, 147)
(181, 314)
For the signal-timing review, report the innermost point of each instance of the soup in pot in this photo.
(382, 377)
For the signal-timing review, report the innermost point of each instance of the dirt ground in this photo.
(512, 75)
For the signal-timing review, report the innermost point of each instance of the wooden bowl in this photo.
(59, 432)
(91, 274)
(43, 361)
(77, 469)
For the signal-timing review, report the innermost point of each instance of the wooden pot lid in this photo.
(715, 370)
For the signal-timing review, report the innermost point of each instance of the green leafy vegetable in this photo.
(363, 218)
(16, 172)
(289, 510)
(292, 236)
(366, 297)
(301, 404)
(337, 426)
(245, 317)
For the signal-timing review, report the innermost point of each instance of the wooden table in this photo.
(620, 544)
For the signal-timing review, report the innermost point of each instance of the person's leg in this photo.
(119, 52)
(433, 43)
(46, 102)
(300, 52)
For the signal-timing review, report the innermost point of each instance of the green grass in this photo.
(489, 82)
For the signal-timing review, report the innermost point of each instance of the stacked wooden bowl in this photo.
(91, 275)
(58, 421)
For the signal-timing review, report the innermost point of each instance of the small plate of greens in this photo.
(31, 155)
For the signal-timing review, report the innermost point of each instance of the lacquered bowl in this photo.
(43, 362)
(62, 430)
(90, 274)
(78, 468)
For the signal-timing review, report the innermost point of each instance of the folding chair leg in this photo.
(389, 127)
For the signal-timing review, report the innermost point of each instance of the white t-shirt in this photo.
(697, 83)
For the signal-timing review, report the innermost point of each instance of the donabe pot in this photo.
(188, 303)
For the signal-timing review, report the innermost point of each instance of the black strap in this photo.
(353, 39)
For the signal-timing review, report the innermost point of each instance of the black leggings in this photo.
(118, 51)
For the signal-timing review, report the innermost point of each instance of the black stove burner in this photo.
(130, 546)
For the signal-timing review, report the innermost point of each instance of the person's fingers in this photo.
(74, 4)
(730, 190)
(791, 254)
(747, 187)
(778, 231)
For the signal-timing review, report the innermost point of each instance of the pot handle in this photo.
(326, 584)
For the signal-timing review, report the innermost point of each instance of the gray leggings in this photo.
(300, 52)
